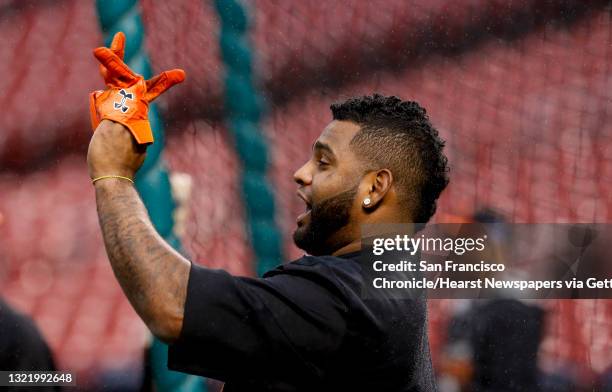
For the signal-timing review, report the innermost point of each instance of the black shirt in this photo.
(22, 347)
(304, 326)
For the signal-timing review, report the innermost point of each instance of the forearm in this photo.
(153, 275)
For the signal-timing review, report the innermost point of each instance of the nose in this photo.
(303, 176)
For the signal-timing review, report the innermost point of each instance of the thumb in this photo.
(162, 82)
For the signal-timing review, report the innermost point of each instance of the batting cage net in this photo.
(520, 90)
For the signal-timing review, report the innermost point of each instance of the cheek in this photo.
(324, 184)
(330, 183)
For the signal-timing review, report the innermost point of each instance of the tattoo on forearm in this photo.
(152, 274)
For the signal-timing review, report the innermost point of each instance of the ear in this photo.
(379, 184)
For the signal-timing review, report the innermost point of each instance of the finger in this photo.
(114, 65)
(118, 47)
(162, 82)
(118, 44)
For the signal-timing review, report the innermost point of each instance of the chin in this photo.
(302, 238)
(299, 235)
(305, 240)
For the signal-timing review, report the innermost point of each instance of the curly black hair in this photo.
(397, 135)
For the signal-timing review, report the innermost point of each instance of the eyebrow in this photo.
(323, 146)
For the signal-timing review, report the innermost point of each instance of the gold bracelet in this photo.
(103, 177)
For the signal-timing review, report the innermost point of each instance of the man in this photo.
(304, 326)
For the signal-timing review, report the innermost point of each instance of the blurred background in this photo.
(520, 89)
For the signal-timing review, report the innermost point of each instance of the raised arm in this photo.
(152, 275)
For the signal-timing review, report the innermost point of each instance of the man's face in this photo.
(328, 183)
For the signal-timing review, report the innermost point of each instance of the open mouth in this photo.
(306, 213)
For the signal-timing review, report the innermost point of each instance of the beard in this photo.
(326, 218)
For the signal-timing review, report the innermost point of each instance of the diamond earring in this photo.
(366, 201)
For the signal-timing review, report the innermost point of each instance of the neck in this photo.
(354, 246)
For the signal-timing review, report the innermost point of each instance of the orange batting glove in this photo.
(127, 97)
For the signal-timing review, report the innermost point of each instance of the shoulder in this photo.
(327, 267)
(340, 275)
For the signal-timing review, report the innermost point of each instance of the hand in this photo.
(113, 151)
(127, 98)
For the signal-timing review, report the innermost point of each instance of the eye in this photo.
(322, 162)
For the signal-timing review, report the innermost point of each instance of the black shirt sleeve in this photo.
(291, 321)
